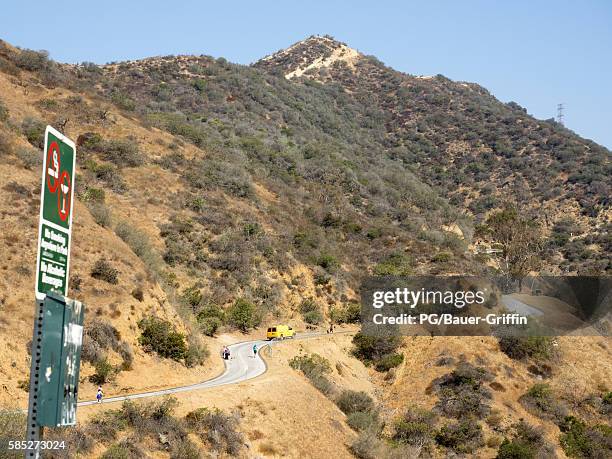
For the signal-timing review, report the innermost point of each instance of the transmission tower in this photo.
(560, 114)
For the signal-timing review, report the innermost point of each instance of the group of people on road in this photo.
(225, 352)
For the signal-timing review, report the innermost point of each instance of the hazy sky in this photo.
(536, 53)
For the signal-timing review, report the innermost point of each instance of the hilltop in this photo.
(474, 150)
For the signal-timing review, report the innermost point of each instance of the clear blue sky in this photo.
(537, 53)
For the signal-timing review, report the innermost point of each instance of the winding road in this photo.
(241, 367)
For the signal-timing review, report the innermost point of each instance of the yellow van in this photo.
(280, 332)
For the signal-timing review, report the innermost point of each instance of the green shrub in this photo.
(527, 442)
(93, 194)
(125, 351)
(321, 278)
(313, 317)
(581, 440)
(218, 429)
(374, 233)
(4, 113)
(184, 448)
(351, 401)
(210, 318)
(310, 364)
(105, 372)
(192, 296)
(103, 270)
(209, 325)
(540, 401)
(108, 174)
(308, 305)
(89, 141)
(243, 315)
(6, 144)
(327, 262)
(78, 441)
(375, 347)
(103, 333)
(348, 314)
(389, 361)
(122, 100)
(106, 424)
(462, 392)
(416, 427)
(138, 241)
(396, 264)
(522, 348)
(29, 59)
(233, 178)
(100, 213)
(160, 336)
(363, 420)
(515, 450)
(122, 152)
(196, 354)
(199, 84)
(367, 446)
(314, 368)
(337, 315)
(30, 157)
(462, 437)
(442, 257)
(34, 130)
(353, 313)
(125, 449)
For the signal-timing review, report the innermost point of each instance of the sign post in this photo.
(58, 321)
(59, 361)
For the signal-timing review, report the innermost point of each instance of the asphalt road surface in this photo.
(243, 365)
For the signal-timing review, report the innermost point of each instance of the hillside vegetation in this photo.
(214, 198)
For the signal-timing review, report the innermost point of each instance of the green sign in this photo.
(62, 334)
(56, 205)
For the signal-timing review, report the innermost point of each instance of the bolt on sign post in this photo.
(58, 321)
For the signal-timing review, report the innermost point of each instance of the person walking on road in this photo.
(254, 350)
(99, 394)
(226, 353)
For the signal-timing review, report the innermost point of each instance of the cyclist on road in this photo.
(254, 350)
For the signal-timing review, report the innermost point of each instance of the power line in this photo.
(560, 108)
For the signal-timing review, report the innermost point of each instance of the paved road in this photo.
(515, 305)
(242, 366)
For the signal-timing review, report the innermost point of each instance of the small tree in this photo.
(160, 336)
(243, 315)
(519, 238)
(375, 347)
